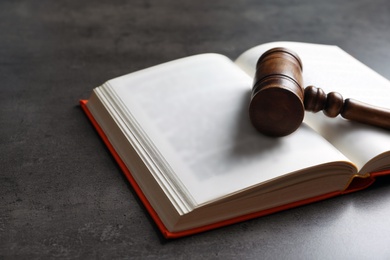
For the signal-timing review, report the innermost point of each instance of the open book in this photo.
(181, 133)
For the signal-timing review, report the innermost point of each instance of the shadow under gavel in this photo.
(279, 101)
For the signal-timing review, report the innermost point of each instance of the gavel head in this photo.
(276, 107)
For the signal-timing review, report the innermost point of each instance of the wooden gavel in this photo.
(279, 101)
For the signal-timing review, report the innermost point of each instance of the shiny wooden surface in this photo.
(276, 107)
(62, 194)
(333, 104)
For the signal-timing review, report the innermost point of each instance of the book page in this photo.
(332, 69)
(194, 115)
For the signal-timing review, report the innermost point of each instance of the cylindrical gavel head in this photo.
(276, 107)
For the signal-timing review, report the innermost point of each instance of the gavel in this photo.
(278, 100)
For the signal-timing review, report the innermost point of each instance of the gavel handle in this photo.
(333, 104)
(364, 113)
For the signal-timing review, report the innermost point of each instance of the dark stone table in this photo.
(61, 193)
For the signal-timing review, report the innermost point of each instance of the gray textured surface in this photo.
(62, 194)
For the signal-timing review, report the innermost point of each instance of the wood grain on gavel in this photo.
(333, 104)
(278, 99)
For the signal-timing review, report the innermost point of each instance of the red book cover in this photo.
(355, 185)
